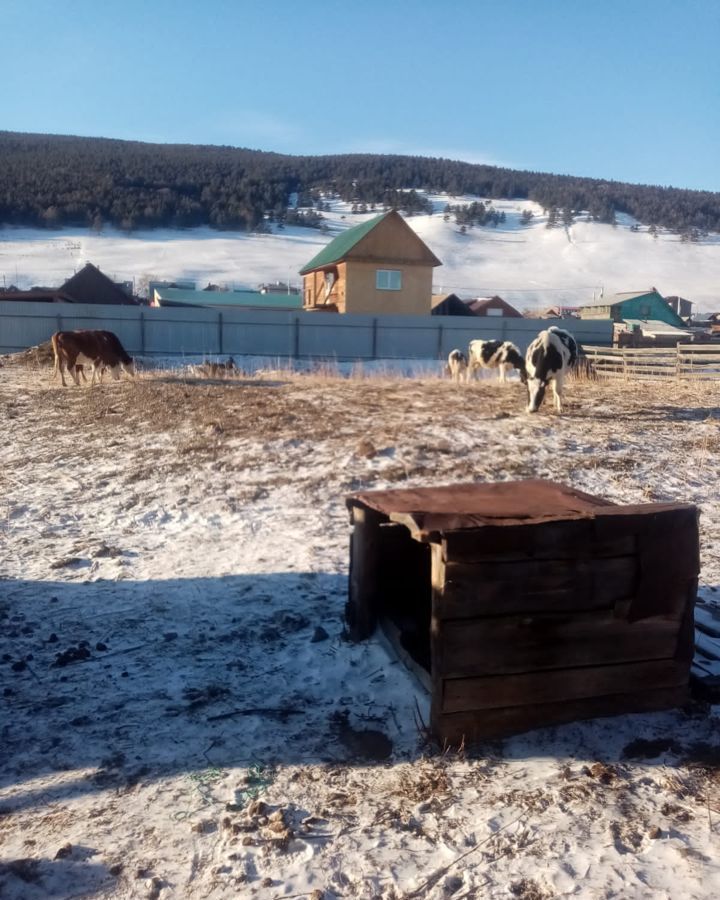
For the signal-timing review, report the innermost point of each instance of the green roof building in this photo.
(378, 267)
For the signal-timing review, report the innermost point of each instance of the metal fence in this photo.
(685, 361)
(174, 331)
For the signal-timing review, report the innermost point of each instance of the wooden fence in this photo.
(686, 361)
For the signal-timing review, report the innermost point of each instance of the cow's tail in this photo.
(584, 367)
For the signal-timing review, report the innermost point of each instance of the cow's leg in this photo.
(557, 386)
(74, 372)
(61, 368)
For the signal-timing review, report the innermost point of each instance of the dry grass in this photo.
(309, 421)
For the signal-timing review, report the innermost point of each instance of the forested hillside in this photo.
(51, 181)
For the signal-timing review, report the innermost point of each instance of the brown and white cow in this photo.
(99, 349)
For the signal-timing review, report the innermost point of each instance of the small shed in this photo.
(528, 603)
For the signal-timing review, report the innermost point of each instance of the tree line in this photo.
(53, 180)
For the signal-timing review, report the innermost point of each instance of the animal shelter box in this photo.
(527, 603)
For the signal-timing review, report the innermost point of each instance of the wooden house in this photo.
(641, 318)
(494, 306)
(378, 267)
(648, 305)
(524, 604)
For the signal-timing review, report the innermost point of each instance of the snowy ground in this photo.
(182, 717)
(530, 266)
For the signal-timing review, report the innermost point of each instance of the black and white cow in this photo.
(501, 355)
(549, 358)
(457, 366)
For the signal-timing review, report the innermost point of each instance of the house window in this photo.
(644, 310)
(493, 311)
(388, 280)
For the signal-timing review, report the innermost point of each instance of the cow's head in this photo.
(536, 393)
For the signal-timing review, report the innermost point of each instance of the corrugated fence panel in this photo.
(327, 335)
(407, 337)
(186, 330)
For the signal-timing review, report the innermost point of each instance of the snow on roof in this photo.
(656, 328)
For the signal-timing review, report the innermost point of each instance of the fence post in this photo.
(678, 363)
(440, 341)
(59, 322)
(374, 338)
(296, 337)
(220, 334)
(142, 332)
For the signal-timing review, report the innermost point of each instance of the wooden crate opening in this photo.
(527, 603)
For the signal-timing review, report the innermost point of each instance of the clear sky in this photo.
(620, 89)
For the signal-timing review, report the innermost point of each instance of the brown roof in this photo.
(90, 285)
(430, 512)
(449, 305)
(477, 306)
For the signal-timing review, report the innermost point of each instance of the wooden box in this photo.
(527, 603)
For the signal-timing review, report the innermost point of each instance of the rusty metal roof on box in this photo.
(430, 512)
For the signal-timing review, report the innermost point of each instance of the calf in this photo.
(98, 349)
(457, 366)
(217, 369)
(501, 355)
(549, 358)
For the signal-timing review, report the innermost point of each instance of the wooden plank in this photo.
(512, 644)
(492, 589)
(647, 518)
(468, 727)
(566, 539)
(364, 586)
(437, 637)
(500, 691)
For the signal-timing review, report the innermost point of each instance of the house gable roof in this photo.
(90, 285)
(347, 243)
(482, 303)
(449, 305)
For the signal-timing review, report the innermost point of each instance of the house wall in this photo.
(649, 306)
(596, 312)
(314, 288)
(391, 240)
(363, 297)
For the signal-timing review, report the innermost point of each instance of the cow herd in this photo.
(550, 356)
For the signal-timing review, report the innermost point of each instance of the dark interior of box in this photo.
(405, 591)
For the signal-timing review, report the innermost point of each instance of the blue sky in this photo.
(620, 89)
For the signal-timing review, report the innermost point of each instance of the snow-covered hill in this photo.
(529, 265)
